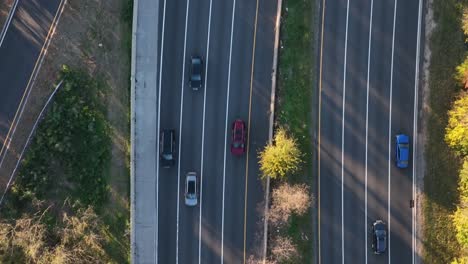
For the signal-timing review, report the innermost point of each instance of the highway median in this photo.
(290, 236)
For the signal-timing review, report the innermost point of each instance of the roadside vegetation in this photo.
(49, 216)
(69, 202)
(446, 179)
(287, 161)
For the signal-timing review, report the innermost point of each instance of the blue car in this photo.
(402, 150)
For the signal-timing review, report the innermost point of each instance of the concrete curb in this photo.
(272, 120)
(132, 131)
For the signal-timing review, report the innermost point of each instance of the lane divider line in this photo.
(182, 86)
(367, 127)
(31, 81)
(248, 130)
(29, 138)
(203, 135)
(8, 21)
(342, 135)
(415, 133)
(30, 84)
(390, 136)
(226, 127)
(156, 234)
(319, 132)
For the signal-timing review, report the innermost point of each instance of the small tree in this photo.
(456, 134)
(283, 249)
(460, 217)
(464, 22)
(286, 200)
(280, 158)
(461, 74)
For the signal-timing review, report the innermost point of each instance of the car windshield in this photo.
(404, 145)
(167, 156)
(191, 187)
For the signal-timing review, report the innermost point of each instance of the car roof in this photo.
(404, 150)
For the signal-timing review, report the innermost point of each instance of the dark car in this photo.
(191, 193)
(196, 72)
(402, 150)
(167, 148)
(238, 137)
(379, 237)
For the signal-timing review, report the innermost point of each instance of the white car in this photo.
(191, 197)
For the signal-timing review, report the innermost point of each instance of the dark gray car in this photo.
(196, 72)
(167, 147)
(379, 237)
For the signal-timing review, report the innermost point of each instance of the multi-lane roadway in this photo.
(235, 39)
(368, 93)
(23, 41)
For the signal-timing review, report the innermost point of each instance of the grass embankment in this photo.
(294, 108)
(66, 166)
(80, 152)
(440, 182)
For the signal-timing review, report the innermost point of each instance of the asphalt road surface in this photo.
(235, 39)
(20, 47)
(368, 84)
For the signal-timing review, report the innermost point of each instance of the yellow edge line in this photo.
(319, 130)
(28, 87)
(248, 127)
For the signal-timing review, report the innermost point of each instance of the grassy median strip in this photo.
(294, 103)
(440, 182)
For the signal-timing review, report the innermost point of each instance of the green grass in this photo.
(440, 182)
(294, 105)
(68, 160)
(71, 148)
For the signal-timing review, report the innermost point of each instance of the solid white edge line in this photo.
(342, 135)
(226, 128)
(390, 136)
(29, 138)
(157, 137)
(8, 21)
(415, 131)
(203, 134)
(367, 124)
(182, 86)
(30, 85)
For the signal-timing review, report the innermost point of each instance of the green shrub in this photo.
(457, 129)
(72, 143)
(281, 158)
(462, 72)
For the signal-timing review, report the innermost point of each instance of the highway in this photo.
(368, 93)
(235, 39)
(21, 47)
